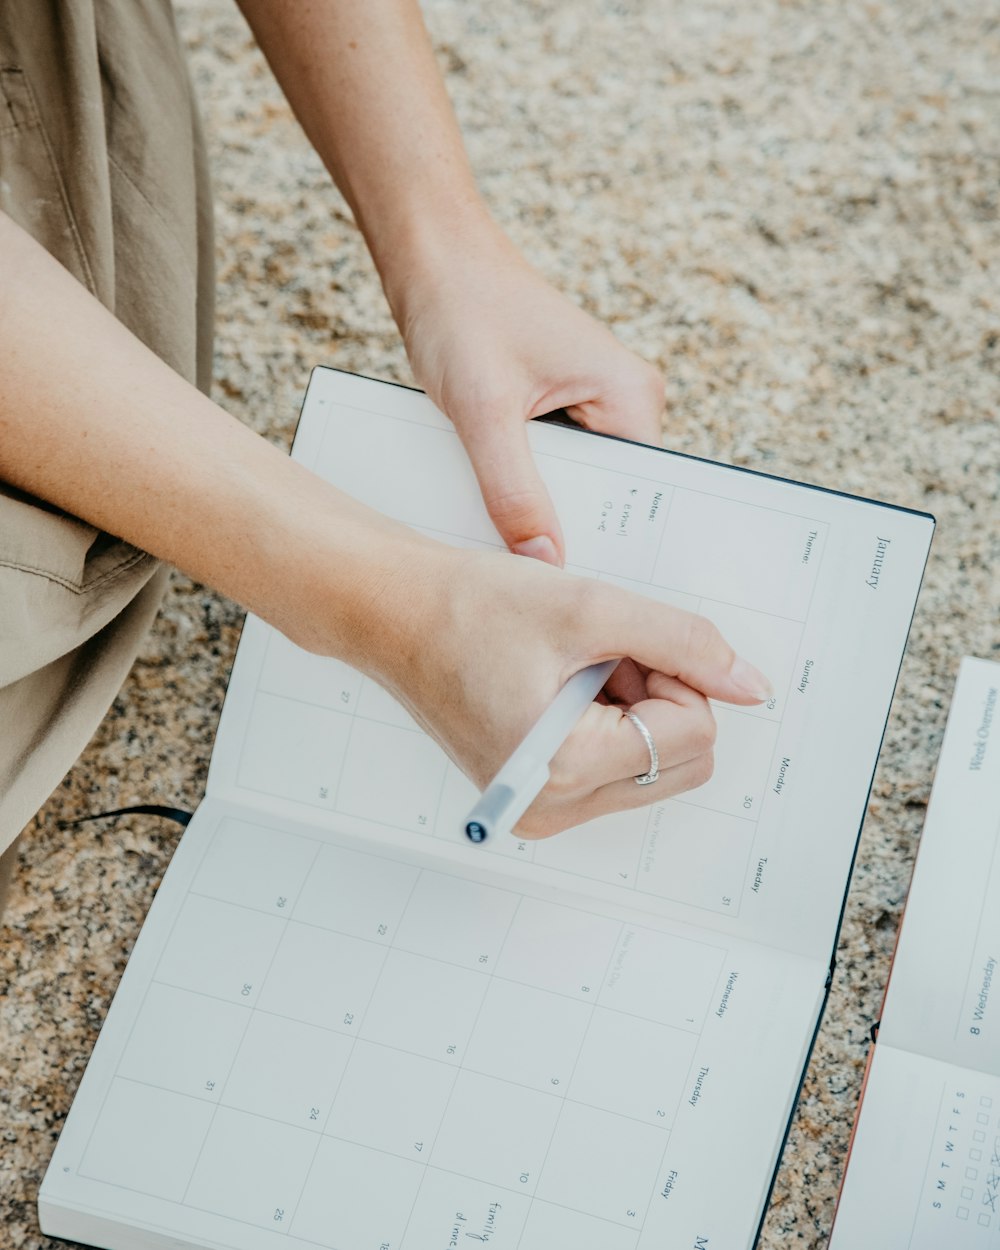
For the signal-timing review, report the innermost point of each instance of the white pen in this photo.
(508, 796)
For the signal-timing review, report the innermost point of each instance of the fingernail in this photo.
(750, 680)
(540, 548)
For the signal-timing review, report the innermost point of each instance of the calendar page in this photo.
(815, 588)
(944, 991)
(320, 1042)
(924, 1170)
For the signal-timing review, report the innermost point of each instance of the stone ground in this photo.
(792, 208)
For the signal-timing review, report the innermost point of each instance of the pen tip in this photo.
(475, 832)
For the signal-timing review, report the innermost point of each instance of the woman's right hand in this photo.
(477, 644)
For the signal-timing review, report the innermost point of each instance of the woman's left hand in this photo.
(494, 345)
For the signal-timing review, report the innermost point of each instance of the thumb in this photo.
(685, 645)
(513, 491)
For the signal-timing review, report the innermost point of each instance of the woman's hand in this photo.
(494, 345)
(479, 643)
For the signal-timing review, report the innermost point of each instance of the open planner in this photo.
(344, 1026)
(924, 1170)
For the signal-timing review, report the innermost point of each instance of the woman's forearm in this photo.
(364, 83)
(95, 423)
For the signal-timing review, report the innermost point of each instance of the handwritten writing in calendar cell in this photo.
(454, 1211)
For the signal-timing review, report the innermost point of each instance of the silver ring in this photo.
(653, 773)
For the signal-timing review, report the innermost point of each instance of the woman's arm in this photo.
(492, 343)
(92, 421)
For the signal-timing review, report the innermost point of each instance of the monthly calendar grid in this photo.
(328, 1131)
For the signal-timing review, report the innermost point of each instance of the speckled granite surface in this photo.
(792, 207)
